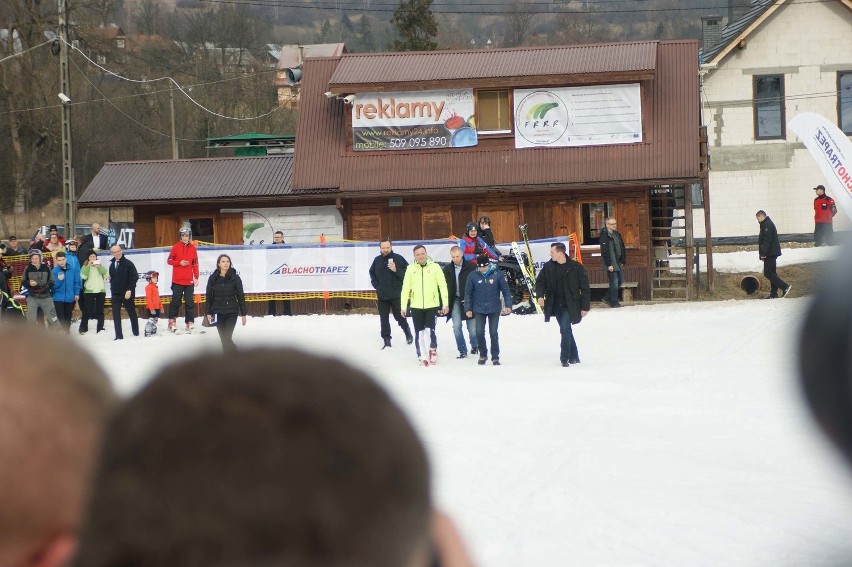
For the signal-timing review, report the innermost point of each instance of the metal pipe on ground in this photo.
(750, 285)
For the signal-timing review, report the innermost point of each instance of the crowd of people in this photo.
(78, 278)
(472, 291)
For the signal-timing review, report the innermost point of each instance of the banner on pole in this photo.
(832, 151)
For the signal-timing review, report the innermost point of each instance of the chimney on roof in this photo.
(737, 9)
(711, 32)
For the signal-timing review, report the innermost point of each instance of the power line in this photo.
(11, 39)
(175, 83)
(123, 113)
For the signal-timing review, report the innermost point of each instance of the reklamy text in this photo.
(392, 109)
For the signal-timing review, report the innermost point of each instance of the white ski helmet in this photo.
(185, 230)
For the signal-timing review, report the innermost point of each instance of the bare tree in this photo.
(520, 20)
(147, 17)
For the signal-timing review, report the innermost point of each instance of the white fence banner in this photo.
(578, 116)
(832, 150)
(338, 266)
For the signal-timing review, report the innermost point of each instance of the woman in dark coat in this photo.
(225, 301)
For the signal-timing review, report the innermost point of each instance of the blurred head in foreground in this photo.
(54, 402)
(263, 457)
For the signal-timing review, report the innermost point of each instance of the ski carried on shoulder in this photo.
(526, 275)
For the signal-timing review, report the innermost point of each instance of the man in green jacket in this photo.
(424, 294)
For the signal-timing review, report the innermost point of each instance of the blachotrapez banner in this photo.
(338, 266)
(578, 116)
(413, 120)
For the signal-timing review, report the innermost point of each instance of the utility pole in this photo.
(69, 198)
(172, 105)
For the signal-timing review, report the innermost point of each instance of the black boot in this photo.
(409, 338)
(387, 344)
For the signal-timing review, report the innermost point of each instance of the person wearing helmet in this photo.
(473, 245)
(152, 302)
(184, 261)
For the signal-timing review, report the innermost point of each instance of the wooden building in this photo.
(555, 186)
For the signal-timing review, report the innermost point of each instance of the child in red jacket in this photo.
(152, 303)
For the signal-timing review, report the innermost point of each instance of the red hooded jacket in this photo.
(183, 275)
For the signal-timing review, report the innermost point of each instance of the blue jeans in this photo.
(616, 278)
(456, 314)
(493, 321)
(567, 344)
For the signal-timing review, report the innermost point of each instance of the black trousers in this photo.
(493, 322)
(118, 302)
(225, 326)
(424, 319)
(63, 313)
(92, 306)
(386, 308)
(187, 292)
(823, 234)
(769, 267)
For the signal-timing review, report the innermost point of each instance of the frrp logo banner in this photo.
(832, 150)
(578, 116)
(413, 120)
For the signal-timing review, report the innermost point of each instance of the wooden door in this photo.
(504, 221)
(230, 229)
(165, 230)
(627, 214)
(564, 218)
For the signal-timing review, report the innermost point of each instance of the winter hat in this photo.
(482, 260)
(470, 226)
(819, 187)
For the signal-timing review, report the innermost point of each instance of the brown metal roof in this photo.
(186, 179)
(359, 70)
(670, 149)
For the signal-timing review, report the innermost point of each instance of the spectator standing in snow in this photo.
(153, 303)
(613, 257)
(386, 275)
(824, 211)
(54, 402)
(94, 277)
(225, 301)
(456, 273)
(319, 433)
(482, 301)
(769, 248)
(278, 240)
(563, 292)
(123, 278)
(38, 282)
(66, 289)
(424, 293)
(183, 258)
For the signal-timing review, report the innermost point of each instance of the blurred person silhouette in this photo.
(264, 457)
(53, 405)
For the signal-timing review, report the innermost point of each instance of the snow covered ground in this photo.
(748, 260)
(681, 439)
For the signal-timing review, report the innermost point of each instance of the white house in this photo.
(772, 60)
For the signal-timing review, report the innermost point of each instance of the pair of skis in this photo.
(529, 278)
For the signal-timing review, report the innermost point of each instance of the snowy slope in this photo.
(680, 440)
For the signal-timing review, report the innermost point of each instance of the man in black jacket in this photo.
(386, 276)
(123, 278)
(456, 273)
(95, 240)
(563, 292)
(769, 248)
(613, 256)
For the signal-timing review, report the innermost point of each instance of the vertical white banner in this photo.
(832, 150)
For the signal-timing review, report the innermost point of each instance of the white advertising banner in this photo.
(299, 268)
(578, 116)
(299, 224)
(832, 150)
(413, 120)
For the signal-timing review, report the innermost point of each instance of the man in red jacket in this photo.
(824, 211)
(184, 261)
